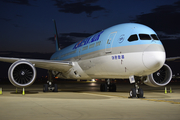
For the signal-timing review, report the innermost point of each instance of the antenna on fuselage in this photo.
(56, 37)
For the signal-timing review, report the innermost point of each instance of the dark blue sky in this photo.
(26, 25)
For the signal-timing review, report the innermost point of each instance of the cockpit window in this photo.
(154, 37)
(144, 37)
(133, 38)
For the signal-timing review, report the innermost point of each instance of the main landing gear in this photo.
(49, 86)
(104, 87)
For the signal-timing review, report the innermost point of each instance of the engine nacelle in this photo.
(22, 73)
(160, 78)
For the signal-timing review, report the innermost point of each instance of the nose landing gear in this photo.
(136, 91)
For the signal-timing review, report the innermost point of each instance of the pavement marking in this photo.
(155, 100)
(106, 95)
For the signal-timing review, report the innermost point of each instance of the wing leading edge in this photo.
(61, 66)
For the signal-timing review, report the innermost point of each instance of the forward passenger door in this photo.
(109, 42)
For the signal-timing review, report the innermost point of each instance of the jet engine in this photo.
(22, 73)
(160, 78)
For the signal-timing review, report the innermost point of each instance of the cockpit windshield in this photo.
(154, 37)
(144, 37)
(133, 37)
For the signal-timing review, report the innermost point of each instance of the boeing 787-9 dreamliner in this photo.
(128, 50)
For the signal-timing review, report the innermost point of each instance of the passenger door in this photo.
(109, 42)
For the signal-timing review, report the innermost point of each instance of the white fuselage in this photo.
(122, 65)
(115, 53)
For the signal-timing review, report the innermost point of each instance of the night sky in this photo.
(26, 25)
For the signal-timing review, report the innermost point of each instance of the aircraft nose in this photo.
(154, 57)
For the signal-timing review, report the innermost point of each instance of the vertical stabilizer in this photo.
(56, 37)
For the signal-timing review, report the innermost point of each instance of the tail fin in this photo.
(56, 37)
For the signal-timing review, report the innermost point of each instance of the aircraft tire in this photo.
(45, 88)
(140, 93)
(132, 93)
(55, 88)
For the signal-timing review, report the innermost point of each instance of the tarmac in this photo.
(83, 101)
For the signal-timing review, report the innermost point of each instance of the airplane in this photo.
(128, 50)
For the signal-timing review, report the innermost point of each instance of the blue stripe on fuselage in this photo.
(123, 31)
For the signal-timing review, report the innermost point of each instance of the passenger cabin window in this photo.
(85, 48)
(144, 37)
(154, 37)
(98, 43)
(91, 46)
(133, 38)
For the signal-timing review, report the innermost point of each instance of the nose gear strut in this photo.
(136, 91)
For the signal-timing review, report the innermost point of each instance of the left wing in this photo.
(61, 66)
